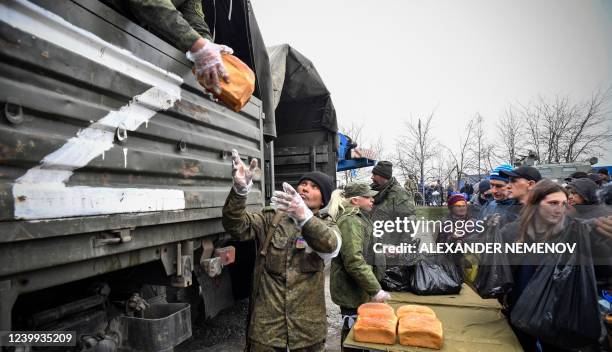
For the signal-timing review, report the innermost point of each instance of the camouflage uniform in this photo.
(390, 203)
(411, 187)
(352, 280)
(289, 309)
(180, 22)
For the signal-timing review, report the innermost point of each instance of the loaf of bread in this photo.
(420, 330)
(376, 323)
(238, 91)
(414, 308)
(375, 308)
(375, 329)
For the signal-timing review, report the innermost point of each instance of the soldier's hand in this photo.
(243, 176)
(291, 203)
(381, 297)
(209, 65)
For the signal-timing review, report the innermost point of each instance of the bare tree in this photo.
(561, 131)
(416, 148)
(478, 147)
(461, 157)
(587, 132)
(491, 157)
(442, 165)
(531, 120)
(509, 131)
(556, 118)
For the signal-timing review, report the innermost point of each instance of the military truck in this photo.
(114, 167)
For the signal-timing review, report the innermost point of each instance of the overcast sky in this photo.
(389, 60)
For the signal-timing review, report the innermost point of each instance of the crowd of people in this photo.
(530, 209)
(313, 225)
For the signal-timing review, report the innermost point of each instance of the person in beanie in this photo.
(603, 176)
(287, 310)
(391, 202)
(583, 200)
(501, 204)
(483, 195)
(458, 233)
(458, 208)
(352, 279)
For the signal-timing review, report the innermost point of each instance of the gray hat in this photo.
(586, 188)
(358, 189)
(383, 168)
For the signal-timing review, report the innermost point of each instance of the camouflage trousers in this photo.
(256, 347)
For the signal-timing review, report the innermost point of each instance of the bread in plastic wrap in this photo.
(239, 90)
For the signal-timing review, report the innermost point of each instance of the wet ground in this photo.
(226, 332)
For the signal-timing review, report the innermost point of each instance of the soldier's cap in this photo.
(527, 172)
(358, 189)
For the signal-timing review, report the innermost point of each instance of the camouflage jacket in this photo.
(180, 22)
(352, 280)
(410, 186)
(289, 309)
(391, 201)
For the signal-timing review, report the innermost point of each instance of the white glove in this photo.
(243, 177)
(381, 297)
(291, 203)
(209, 66)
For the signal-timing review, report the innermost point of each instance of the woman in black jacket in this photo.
(544, 219)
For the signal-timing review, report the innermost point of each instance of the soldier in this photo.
(182, 24)
(390, 203)
(411, 187)
(352, 280)
(288, 299)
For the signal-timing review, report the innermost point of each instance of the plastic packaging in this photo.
(435, 275)
(494, 275)
(239, 90)
(558, 304)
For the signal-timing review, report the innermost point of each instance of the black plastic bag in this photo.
(494, 276)
(396, 280)
(435, 275)
(559, 304)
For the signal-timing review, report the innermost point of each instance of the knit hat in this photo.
(325, 183)
(455, 198)
(586, 188)
(484, 186)
(495, 174)
(383, 168)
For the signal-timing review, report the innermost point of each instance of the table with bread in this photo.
(461, 322)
